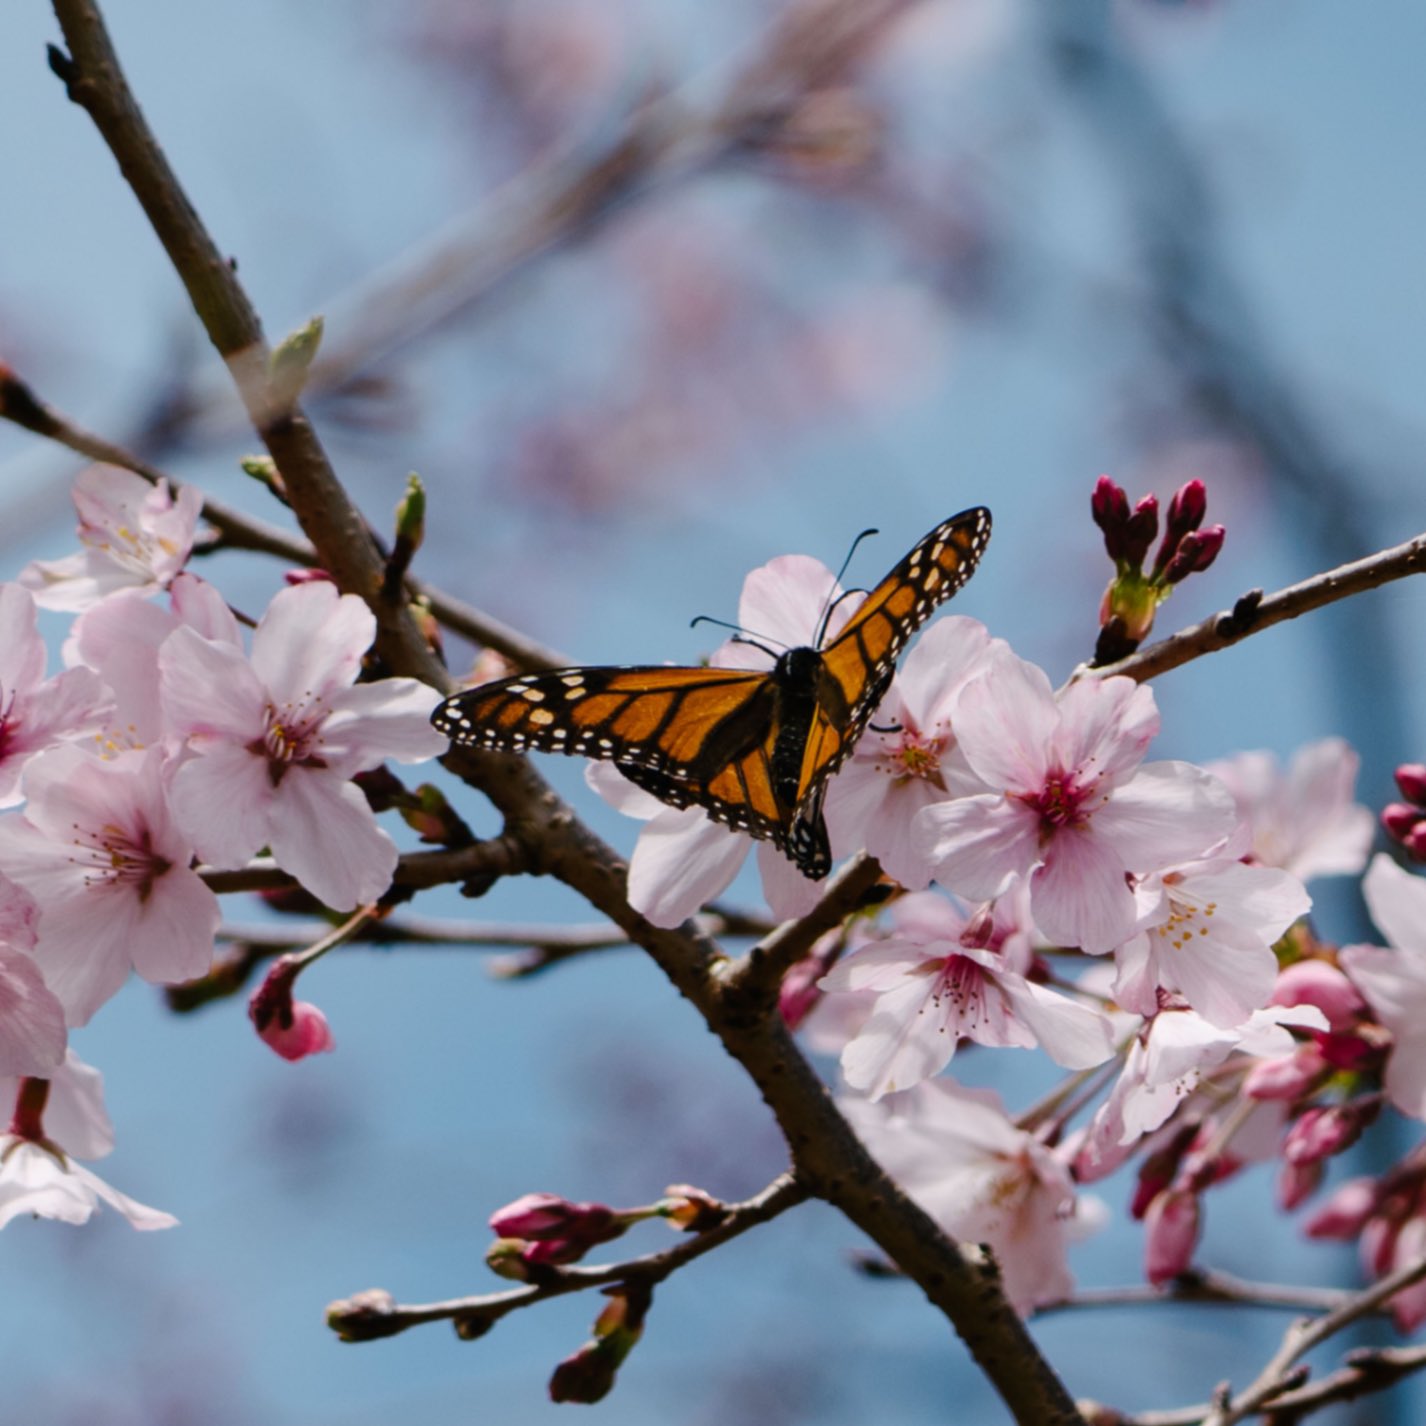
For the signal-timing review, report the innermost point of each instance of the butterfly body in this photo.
(753, 748)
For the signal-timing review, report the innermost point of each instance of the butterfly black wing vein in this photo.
(753, 749)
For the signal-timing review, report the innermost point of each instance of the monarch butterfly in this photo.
(753, 749)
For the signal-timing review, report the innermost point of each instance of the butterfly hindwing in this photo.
(676, 719)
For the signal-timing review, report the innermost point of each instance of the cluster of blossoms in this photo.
(1141, 922)
(164, 744)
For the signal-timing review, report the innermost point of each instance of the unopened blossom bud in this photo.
(1411, 779)
(1291, 1077)
(1171, 1233)
(588, 1375)
(1109, 506)
(1196, 551)
(585, 1377)
(555, 1231)
(1415, 842)
(1187, 508)
(799, 992)
(1400, 819)
(506, 1258)
(308, 576)
(1315, 982)
(691, 1208)
(1321, 1132)
(294, 1028)
(1345, 1213)
(1140, 530)
(1296, 1183)
(1160, 1168)
(290, 361)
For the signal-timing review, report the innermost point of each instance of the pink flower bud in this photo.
(1319, 1133)
(1139, 533)
(1415, 842)
(799, 992)
(294, 1028)
(1318, 983)
(1160, 1168)
(1196, 551)
(1408, 1307)
(545, 1215)
(1187, 508)
(1171, 1233)
(1297, 1183)
(1109, 506)
(554, 1230)
(1345, 1212)
(1291, 1077)
(1411, 779)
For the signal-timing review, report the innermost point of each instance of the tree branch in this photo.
(1255, 612)
(371, 1314)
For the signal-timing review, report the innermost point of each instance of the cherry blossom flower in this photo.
(98, 849)
(120, 636)
(134, 535)
(1165, 1065)
(932, 992)
(1076, 808)
(1304, 820)
(35, 712)
(955, 1151)
(32, 1029)
(893, 775)
(273, 742)
(683, 859)
(38, 1176)
(1207, 933)
(1394, 981)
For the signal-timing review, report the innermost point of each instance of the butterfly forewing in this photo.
(862, 658)
(655, 715)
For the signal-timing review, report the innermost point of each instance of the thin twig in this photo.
(1252, 615)
(354, 1319)
(1280, 1374)
(1210, 1288)
(758, 974)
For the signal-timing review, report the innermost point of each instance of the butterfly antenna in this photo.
(740, 635)
(831, 604)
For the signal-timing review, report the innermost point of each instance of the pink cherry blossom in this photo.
(1394, 981)
(1304, 820)
(1073, 806)
(120, 636)
(100, 852)
(1207, 933)
(956, 1152)
(293, 1028)
(1164, 1067)
(1171, 1228)
(35, 712)
(135, 535)
(893, 775)
(273, 742)
(32, 1029)
(38, 1175)
(930, 993)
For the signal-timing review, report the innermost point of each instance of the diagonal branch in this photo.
(1256, 612)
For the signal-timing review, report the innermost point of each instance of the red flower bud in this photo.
(1171, 1233)
(1292, 1077)
(1315, 982)
(1140, 530)
(294, 1028)
(1319, 1133)
(1109, 506)
(1345, 1213)
(1187, 508)
(1196, 551)
(1411, 779)
(1297, 1183)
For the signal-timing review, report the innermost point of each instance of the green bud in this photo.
(290, 361)
(411, 512)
